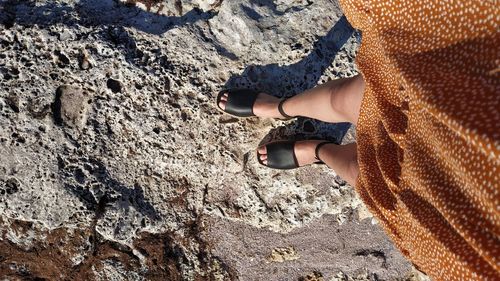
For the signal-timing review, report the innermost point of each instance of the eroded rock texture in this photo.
(117, 165)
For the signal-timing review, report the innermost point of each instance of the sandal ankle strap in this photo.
(282, 112)
(318, 147)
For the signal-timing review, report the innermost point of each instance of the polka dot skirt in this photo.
(429, 130)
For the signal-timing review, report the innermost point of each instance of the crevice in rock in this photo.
(13, 102)
(56, 107)
(373, 253)
(114, 85)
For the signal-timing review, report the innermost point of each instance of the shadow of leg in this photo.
(288, 80)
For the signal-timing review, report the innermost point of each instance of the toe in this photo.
(224, 97)
(262, 150)
(263, 157)
(222, 104)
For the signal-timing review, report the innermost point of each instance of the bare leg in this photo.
(341, 158)
(334, 101)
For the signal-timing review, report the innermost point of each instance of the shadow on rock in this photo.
(273, 7)
(91, 182)
(300, 130)
(92, 13)
(288, 80)
(110, 15)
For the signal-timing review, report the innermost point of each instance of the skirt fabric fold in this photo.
(429, 130)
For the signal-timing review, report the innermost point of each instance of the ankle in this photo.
(307, 146)
(319, 151)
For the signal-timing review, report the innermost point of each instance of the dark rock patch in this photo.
(13, 102)
(70, 106)
(11, 186)
(309, 127)
(114, 85)
(62, 59)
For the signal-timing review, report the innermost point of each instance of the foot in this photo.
(265, 105)
(304, 152)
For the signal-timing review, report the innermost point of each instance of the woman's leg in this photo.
(342, 159)
(334, 101)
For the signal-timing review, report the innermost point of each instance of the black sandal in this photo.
(240, 102)
(281, 155)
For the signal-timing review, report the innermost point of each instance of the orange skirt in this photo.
(429, 130)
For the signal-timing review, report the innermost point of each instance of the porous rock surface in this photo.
(117, 165)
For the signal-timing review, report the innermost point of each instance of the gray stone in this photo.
(85, 60)
(70, 106)
(324, 249)
(66, 34)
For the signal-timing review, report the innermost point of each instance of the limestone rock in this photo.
(129, 171)
(85, 61)
(315, 276)
(70, 106)
(174, 8)
(282, 254)
(114, 85)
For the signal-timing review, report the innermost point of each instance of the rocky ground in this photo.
(117, 165)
